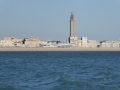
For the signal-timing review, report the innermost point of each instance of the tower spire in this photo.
(71, 13)
(72, 16)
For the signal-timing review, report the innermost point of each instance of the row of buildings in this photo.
(37, 42)
(19, 42)
(72, 41)
(84, 42)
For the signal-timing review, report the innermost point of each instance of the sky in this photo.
(49, 19)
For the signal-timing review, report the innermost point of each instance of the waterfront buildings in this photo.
(72, 41)
(93, 43)
(50, 44)
(19, 42)
(110, 44)
(11, 41)
(84, 42)
(79, 44)
(32, 42)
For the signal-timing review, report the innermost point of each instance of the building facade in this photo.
(110, 44)
(32, 42)
(93, 43)
(79, 44)
(11, 42)
(84, 42)
(88, 43)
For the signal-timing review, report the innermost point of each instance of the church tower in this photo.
(72, 25)
(72, 38)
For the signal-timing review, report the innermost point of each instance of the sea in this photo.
(60, 70)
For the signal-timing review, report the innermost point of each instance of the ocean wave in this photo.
(7, 88)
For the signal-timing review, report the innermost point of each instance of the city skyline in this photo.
(97, 20)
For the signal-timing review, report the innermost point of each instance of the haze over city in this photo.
(49, 20)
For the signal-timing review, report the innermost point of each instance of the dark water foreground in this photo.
(59, 70)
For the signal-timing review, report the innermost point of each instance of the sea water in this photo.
(60, 70)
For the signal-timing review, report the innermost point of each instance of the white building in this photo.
(92, 43)
(11, 42)
(32, 42)
(110, 44)
(2, 43)
(88, 43)
(84, 42)
(8, 41)
(73, 40)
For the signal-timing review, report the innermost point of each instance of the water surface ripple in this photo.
(60, 70)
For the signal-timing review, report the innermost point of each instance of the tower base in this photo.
(73, 40)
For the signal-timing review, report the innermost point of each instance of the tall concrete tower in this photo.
(72, 38)
(72, 25)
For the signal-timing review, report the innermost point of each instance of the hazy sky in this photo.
(49, 19)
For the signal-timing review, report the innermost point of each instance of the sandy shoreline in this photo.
(58, 49)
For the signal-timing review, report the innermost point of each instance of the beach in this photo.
(56, 49)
